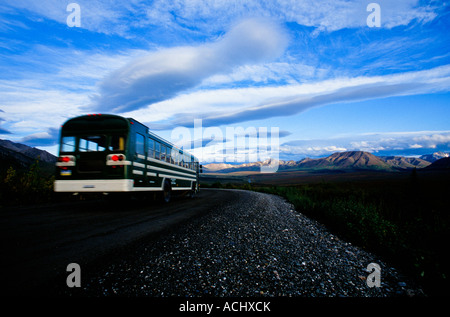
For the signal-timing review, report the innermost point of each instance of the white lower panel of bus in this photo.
(95, 185)
(103, 185)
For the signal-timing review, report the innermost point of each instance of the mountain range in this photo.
(21, 156)
(355, 160)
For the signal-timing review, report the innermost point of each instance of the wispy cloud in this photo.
(3, 131)
(323, 15)
(163, 74)
(232, 106)
(109, 17)
(37, 97)
(203, 16)
(47, 138)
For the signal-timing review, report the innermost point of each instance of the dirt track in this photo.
(255, 244)
(38, 242)
(221, 243)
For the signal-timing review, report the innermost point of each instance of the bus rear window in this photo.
(68, 144)
(92, 143)
(117, 143)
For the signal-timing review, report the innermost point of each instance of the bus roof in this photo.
(97, 122)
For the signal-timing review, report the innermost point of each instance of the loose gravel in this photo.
(255, 245)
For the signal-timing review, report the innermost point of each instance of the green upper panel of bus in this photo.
(97, 122)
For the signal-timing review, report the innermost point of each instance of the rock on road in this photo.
(221, 243)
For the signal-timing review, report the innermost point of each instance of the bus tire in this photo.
(167, 192)
(193, 190)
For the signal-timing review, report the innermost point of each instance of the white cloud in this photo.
(432, 140)
(229, 106)
(415, 142)
(267, 73)
(39, 100)
(28, 106)
(163, 74)
(109, 17)
(323, 15)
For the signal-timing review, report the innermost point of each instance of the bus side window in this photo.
(140, 144)
(174, 156)
(170, 155)
(163, 152)
(151, 148)
(157, 150)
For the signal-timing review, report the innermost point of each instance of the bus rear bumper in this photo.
(92, 186)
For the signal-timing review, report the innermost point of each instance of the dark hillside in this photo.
(21, 157)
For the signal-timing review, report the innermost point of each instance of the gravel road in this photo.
(253, 245)
(38, 242)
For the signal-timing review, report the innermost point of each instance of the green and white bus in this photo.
(103, 153)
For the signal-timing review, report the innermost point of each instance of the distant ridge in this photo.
(20, 156)
(434, 156)
(441, 164)
(29, 151)
(349, 160)
(402, 162)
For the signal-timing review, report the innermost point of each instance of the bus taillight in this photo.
(115, 159)
(66, 160)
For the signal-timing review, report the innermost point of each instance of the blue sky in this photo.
(313, 69)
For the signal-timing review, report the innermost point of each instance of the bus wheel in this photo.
(166, 195)
(193, 191)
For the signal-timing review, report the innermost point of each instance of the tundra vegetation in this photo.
(26, 186)
(404, 220)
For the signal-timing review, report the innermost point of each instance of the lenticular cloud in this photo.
(164, 73)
